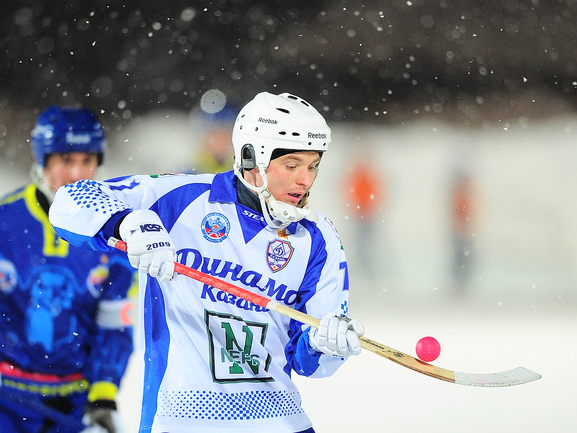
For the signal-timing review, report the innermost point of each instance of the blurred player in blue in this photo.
(65, 333)
(214, 362)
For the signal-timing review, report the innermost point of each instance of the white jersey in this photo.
(214, 362)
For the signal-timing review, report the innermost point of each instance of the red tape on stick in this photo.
(210, 280)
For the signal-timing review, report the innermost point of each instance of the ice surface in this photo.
(372, 394)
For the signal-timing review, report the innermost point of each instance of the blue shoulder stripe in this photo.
(314, 269)
(171, 205)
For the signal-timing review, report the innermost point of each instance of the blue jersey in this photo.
(214, 362)
(63, 309)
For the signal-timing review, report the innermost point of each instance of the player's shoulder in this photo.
(324, 225)
(13, 196)
(162, 180)
(182, 178)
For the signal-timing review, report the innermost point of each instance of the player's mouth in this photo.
(294, 198)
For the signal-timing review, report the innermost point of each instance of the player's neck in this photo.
(247, 198)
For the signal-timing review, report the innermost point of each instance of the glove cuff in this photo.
(312, 336)
(102, 391)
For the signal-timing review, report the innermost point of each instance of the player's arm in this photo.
(87, 213)
(111, 345)
(324, 293)
(81, 210)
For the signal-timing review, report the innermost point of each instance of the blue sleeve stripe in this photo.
(305, 360)
(299, 357)
(314, 269)
(157, 342)
(171, 205)
(96, 243)
(109, 228)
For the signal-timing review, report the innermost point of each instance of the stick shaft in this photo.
(496, 379)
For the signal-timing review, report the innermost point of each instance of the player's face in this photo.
(64, 168)
(292, 175)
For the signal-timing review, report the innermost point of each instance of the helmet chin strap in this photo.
(277, 215)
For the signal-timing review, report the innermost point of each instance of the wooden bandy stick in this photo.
(516, 376)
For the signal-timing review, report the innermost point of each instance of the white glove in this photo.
(337, 336)
(149, 246)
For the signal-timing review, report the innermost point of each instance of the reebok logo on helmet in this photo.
(322, 136)
(271, 121)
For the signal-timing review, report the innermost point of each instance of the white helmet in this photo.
(270, 122)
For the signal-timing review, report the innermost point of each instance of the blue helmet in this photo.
(65, 130)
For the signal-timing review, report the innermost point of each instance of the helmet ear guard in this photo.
(248, 157)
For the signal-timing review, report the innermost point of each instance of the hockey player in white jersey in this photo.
(213, 362)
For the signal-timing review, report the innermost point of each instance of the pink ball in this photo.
(428, 349)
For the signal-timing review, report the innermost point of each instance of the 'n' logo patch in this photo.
(278, 254)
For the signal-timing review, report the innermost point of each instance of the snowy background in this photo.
(418, 91)
(518, 308)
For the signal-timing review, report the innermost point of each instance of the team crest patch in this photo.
(278, 254)
(215, 227)
(96, 277)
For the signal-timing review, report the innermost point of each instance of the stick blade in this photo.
(516, 376)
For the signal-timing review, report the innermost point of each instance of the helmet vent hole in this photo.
(282, 133)
(304, 103)
(284, 110)
(296, 134)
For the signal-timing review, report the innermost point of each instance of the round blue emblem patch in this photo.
(8, 277)
(215, 227)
